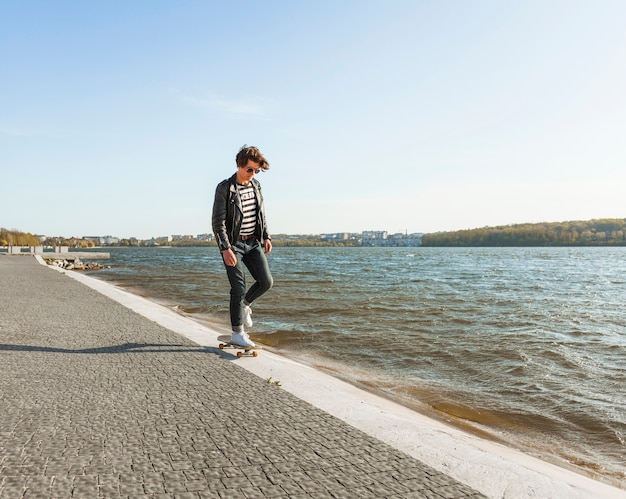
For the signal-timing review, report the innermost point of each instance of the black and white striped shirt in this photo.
(248, 201)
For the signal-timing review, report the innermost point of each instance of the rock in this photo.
(75, 264)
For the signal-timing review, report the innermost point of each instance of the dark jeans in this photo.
(249, 253)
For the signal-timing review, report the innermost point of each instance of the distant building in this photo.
(374, 234)
(111, 240)
(372, 238)
(102, 240)
(339, 236)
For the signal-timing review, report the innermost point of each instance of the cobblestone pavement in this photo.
(98, 401)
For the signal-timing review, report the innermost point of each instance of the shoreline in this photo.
(492, 468)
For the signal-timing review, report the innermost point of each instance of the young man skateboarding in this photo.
(240, 230)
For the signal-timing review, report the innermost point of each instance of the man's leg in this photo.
(255, 261)
(237, 279)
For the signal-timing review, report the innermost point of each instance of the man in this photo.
(240, 230)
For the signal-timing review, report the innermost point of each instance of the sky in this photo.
(120, 117)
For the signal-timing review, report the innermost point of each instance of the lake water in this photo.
(523, 345)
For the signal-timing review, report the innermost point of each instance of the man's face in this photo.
(245, 173)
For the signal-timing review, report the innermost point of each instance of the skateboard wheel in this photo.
(222, 346)
(239, 354)
(255, 354)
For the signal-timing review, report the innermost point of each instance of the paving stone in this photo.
(98, 401)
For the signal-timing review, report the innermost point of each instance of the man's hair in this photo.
(251, 153)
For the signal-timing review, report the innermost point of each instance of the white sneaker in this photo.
(242, 339)
(247, 316)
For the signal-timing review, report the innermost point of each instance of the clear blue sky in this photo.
(120, 117)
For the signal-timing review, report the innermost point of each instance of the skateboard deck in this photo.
(248, 351)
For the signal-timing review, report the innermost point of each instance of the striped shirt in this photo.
(248, 201)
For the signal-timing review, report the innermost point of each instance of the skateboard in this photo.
(247, 351)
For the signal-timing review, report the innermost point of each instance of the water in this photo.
(522, 345)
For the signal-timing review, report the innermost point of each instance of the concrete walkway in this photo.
(98, 401)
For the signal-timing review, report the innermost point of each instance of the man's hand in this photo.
(267, 246)
(230, 259)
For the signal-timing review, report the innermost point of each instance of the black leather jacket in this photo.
(228, 213)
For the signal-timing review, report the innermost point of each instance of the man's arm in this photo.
(220, 207)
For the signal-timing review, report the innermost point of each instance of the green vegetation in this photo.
(311, 241)
(270, 381)
(602, 232)
(277, 241)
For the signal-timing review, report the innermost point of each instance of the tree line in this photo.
(18, 238)
(601, 232)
